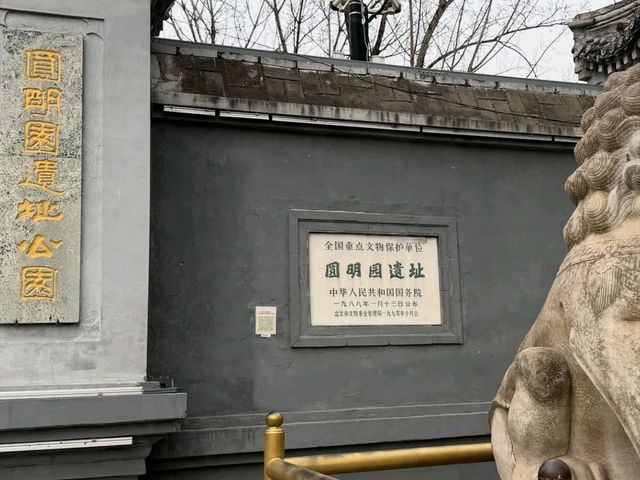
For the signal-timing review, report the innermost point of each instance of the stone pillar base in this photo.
(82, 437)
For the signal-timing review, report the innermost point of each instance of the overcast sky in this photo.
(560, 65)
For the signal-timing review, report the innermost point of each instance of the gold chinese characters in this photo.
(38, 283)
(44, 173)
(38, 247)
(39, 102)
(41, 137)
(39, 211)
(44, 65)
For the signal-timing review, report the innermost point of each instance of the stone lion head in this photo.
(606, 185)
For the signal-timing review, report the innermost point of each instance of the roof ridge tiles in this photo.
(307, 62)
(189, 71)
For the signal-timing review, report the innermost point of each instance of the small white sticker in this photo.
(266, 321)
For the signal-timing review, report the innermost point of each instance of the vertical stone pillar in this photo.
(74, 238)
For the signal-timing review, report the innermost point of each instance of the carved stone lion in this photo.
(573, 391)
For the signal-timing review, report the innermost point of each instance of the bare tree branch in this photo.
(490, 41)
(433, 24)
(375, 49)
(472, 35)
(275, 9)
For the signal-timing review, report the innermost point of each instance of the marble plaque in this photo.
(363, 280)
(40, 176)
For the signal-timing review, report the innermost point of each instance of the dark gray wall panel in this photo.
(221, 197)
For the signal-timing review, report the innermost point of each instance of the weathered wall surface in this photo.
(73, 381)
(208, 76)
(220, 245)
(108, 345)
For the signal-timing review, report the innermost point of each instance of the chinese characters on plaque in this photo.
(359, 280)
(40, 177)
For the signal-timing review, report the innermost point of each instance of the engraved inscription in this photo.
(44, 174)
(359, 280)
(41, 171)
(38, 247)
(43, 210)
(41, 137)
(37, 283)
(41, 102)
(44, 65)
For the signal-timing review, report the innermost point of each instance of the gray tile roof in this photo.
(204, 75)
(606, 40)
(159, 12)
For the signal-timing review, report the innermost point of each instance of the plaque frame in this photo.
(304, 222)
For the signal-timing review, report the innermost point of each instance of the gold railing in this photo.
(317, 467)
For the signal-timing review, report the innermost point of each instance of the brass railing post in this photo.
(318, 467)
(273, 440)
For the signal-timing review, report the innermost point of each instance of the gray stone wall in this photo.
(222, 193)
(108, 344)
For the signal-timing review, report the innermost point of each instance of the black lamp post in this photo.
(358, 20)
(356, 29)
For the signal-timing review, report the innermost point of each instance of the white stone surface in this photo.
(358, 280)
(572, 394)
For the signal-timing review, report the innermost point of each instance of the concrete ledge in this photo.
(236, 434)
(38, 413)
(84, 437)
(372, 117)
(127, 462)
